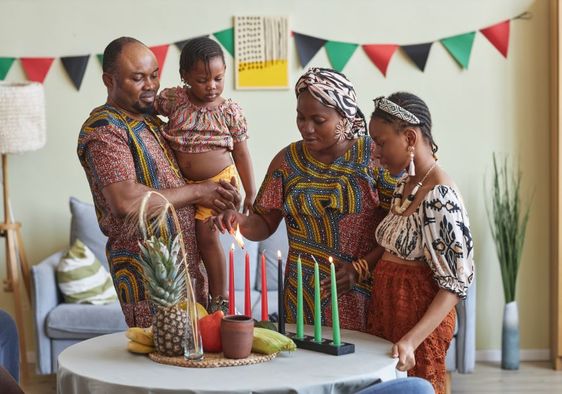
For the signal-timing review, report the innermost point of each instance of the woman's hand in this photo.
(346, 277)
(404, 351)
(227, 220)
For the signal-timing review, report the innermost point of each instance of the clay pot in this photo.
(237, 335)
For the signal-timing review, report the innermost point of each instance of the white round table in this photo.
(103, 365)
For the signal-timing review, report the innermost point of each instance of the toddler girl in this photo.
(208, 136)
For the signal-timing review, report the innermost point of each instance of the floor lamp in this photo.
(22, 129)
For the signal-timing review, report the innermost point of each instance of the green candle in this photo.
(317, 312)
(300, 322)
(335, 314)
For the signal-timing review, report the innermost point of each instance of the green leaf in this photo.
(508, 220)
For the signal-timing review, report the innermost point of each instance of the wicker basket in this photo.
(212, 360)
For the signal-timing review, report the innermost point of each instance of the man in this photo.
(124, 156)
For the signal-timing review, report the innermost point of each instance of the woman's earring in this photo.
(412, 166)
(341, 128)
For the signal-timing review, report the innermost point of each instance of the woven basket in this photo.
(22, 117)
(212, 360)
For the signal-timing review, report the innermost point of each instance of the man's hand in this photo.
(219, 196)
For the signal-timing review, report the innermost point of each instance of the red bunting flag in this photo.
(36, 68)
(498, 35)
(160, 52)
(380, 55)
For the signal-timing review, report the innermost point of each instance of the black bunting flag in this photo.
(418, 53)
(75, 67)
(181, 44)
(307, 47)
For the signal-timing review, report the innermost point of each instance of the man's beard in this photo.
(144, 109)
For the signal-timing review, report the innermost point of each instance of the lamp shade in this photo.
(22, 117)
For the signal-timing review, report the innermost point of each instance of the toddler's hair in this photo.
(199, 48)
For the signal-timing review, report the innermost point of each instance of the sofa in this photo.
(59, 325)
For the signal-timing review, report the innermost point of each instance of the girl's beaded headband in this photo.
(394, 109)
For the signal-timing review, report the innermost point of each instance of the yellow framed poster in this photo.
(261, 47)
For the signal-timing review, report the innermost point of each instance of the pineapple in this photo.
(166, 285)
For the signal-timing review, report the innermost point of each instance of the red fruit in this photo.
(210, 329)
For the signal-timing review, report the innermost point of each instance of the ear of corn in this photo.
(269, 342)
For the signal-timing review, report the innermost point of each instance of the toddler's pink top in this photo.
(194, 129)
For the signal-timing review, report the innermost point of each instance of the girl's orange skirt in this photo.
(401, 295)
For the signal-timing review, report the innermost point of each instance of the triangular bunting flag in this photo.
(307, 47)
(418, 53)
(226, 38)
(100, 58)
(339, 53)
(380, 54)
(160, 52)
(498, 35)
(75, 67)
(5, 64)
(460, 47)
(181, 44)
(36, 68)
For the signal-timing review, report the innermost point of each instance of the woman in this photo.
(427, 265)
(325, 187)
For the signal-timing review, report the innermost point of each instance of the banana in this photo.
(140, 335)
(136, 347)
(269, 342)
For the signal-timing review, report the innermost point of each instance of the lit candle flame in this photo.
(238, 237)
(331, 260)
(232, 247)
(279, 254)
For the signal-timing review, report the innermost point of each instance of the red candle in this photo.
(231, 291)
(264, 314)
(247, 299)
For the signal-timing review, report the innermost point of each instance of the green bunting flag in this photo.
(460, 47)
(226, 38)
(339, 53)
(5, 64)
(100, 58)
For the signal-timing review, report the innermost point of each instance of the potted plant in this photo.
(508, 218)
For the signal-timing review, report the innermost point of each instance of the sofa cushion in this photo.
(82, 279)
(83, 321)
(251, 248)
(277, 241)
(84, 226)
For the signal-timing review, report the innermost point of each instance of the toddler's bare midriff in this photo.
(205, 165)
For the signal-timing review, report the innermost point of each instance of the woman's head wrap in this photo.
(334, 90)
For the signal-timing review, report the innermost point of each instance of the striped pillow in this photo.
(82, 279)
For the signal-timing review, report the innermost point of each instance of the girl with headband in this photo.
(427, 265)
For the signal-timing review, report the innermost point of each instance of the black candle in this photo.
(280, 282)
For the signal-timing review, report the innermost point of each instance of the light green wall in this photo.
(497, 105)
